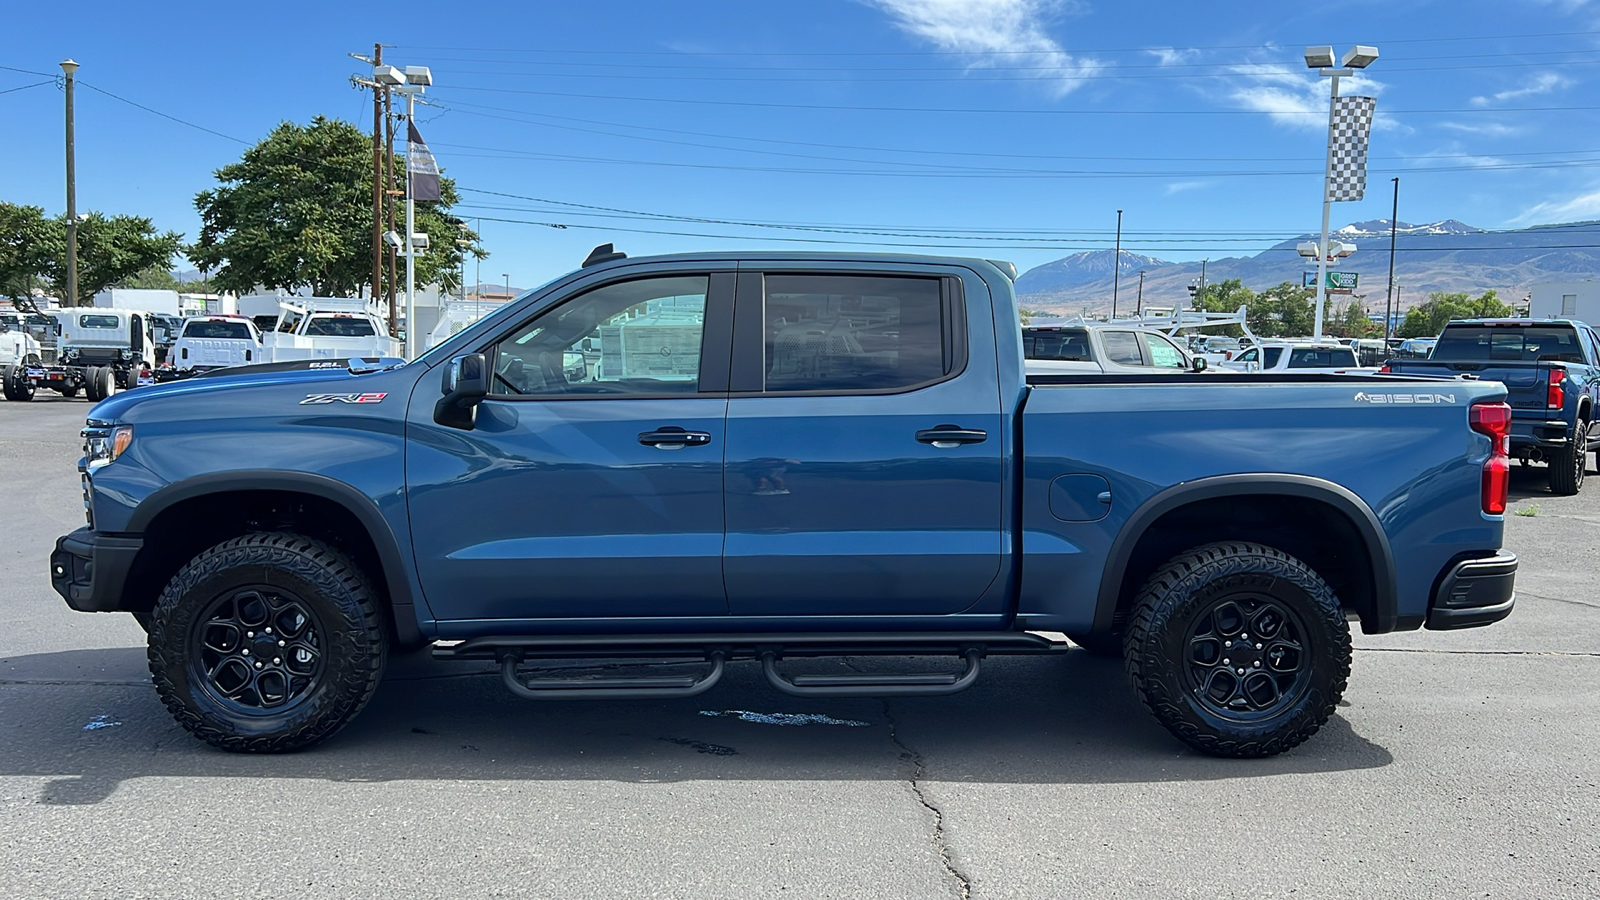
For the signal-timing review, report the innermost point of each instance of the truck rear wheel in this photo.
(1569, 464)
(16, 384)
(267, 643)
(91, 385)
(1238, 649)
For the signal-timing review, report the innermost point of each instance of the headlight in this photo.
(104, 445)
(125, 354)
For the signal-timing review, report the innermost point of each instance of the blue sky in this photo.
(1001, 128)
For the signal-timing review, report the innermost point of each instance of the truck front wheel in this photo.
(1238, 649)
(266, 643)
(17, 385)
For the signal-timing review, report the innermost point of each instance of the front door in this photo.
(591, 486)
(864, 448)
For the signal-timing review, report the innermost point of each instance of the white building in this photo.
(1566, 300)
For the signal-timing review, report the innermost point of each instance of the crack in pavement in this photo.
(918, 767)
(1559, 599)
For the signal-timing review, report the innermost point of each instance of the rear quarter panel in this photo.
(1416, 466)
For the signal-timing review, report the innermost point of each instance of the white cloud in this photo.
(996, 33)
(1178, 187)
(1542, 83)
(1485, 129)
(1171, 56)
(1583, 206)
(1298, 99)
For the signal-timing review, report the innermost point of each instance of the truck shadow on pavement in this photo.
(1533, 482)
(88, 720)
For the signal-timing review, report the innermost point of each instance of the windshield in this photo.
(1557, 343)
(237, 331)
(1070, 344)
(1321, 357)
(339, 326)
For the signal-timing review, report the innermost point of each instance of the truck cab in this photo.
(115, 339)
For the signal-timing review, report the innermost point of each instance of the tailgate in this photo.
(1526, 382)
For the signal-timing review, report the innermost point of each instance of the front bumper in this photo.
(89, 569)
(1475, 592)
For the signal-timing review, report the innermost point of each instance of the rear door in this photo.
(864, 457)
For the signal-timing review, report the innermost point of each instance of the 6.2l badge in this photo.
(319, 399)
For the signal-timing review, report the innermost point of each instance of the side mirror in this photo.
(465, 383)
(1198, 364)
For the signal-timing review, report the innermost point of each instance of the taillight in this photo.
(1494, 420)
(1556, 396)
(1385, 369)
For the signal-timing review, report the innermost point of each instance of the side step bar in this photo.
(719, 649)
(609, 688)
(868, 685)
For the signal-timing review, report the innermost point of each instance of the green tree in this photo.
(1286, 310)
(25, 247)
(110, 249)
(296, 212)
(1353, 322)
(1226, 297)
(1429, 317)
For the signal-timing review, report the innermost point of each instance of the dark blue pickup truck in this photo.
(1551, 370)
(765, 457)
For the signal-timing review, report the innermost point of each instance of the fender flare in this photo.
(401, 603)
(1384, 592)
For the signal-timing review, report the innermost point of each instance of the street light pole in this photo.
(1138, 302)
(1327, 207)
(1394, 225)
(70, 69)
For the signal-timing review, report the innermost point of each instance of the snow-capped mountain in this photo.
(1084, 268)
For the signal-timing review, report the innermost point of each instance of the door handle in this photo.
(674, 438)
(946, 436)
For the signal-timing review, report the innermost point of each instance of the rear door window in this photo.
(855, 333)
(92, 321)
(1122, 347)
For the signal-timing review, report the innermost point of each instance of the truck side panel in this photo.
(1414, 464)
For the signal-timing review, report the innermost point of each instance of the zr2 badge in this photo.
(320, 399)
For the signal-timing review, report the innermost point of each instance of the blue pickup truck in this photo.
(769, 457)
(1551, 370)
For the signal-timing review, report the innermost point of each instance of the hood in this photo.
(301, 376)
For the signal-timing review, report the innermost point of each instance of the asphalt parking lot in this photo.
(1460, 765)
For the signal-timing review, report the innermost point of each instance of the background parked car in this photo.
(1051, 348)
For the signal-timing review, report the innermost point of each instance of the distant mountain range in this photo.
(1439, 256)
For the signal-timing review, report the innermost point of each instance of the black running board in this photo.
(869, 685)
(664, 686)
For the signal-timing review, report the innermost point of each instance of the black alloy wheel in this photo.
(1238, 649)
(267, 643)
(256, 648)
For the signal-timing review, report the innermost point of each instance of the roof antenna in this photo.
(602, 254)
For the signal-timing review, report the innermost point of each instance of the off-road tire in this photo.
(16, 384)
(1569, 464)
(342, 605)
(1176, 599)
(1099, 644)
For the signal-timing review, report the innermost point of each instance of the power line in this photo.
(157, 112)
(1065, 50)
(26, 86)
(1008, 112)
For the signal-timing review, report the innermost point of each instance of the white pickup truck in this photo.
(1306, 357)
(1059, 349)
(212, 342)
(321, 333)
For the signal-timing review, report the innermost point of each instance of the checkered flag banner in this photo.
(1347, 147)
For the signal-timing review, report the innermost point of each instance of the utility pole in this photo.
(1116, 266)
(1200, 298)
(377, 181)
(1138, 303)
(70, 68)
(1394, 223)
(389, 192)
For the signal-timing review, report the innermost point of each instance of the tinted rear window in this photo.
(1070, 344)
(1321, 357)
(1558, 343)
(340, 327)
(97, 322)
(237, 331)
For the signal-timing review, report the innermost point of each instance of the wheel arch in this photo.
(344, 510)
(1366, 580)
